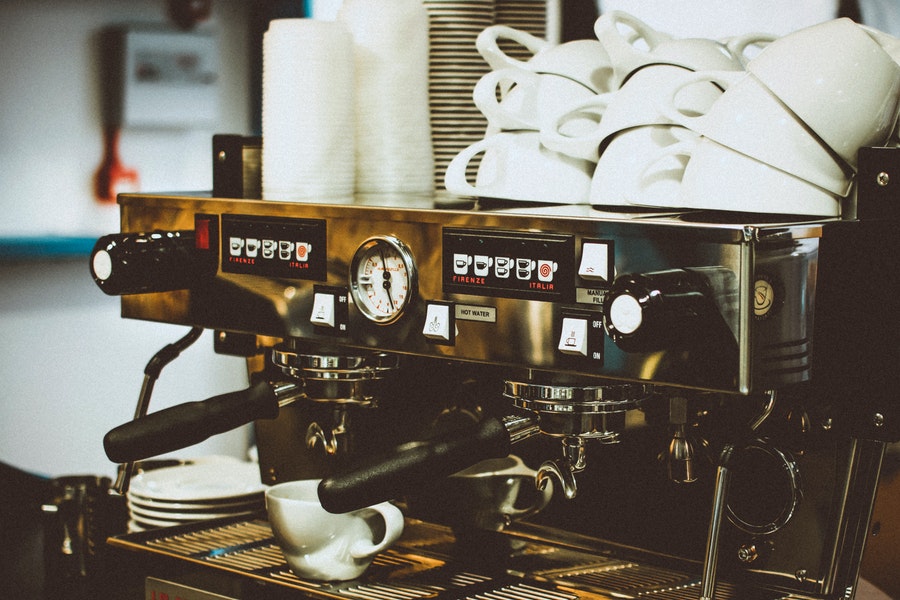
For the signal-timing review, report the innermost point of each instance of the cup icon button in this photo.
(524, 267)
(502, 266)
(235, 246)
(546, 269)
(302, 250)
(461, 263)
(483, 265)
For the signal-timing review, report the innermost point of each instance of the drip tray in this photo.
(427, 562)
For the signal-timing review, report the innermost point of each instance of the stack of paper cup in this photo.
(308, 118)
(393, 130)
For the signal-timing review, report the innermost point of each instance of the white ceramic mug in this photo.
(750, 119)
(516, 166)
(584, 61)
(645, 45)
(635, 104)
(719, 178)
(625, 177)
(324, 546)
(838, 80)
(529, 99)
(888, 43)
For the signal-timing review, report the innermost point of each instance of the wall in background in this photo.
(71, 367)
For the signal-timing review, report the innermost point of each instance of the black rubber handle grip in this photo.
(413, 464)
(190, 423)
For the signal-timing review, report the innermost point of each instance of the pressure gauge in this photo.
(382, 278)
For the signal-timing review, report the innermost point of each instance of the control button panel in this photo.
(440, 323)
(596, 261)
(330, 311)
(580, 339)
(274, 247)
(573, 338)
(323, 310)
(524, 265)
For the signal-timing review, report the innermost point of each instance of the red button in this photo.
(201, 234)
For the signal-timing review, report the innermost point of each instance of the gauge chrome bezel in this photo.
(397, 247)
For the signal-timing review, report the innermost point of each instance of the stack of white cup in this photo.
(784, 136)
(548, 111)
(687, 123)
(517, 97)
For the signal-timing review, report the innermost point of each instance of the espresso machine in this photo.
(708, 394)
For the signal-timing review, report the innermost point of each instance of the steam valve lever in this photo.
(645, 312)
(138, 263)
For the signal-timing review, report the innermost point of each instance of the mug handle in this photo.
(455, 177)
(583, 146)
(738, 44)
(487, 45)
(393, 528)
(622, 50)
(683, 148)
(666, 100)
(485, 97)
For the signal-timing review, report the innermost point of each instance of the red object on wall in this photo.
(113, 177)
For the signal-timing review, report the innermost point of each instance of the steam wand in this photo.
(723, 479)
(151, 373)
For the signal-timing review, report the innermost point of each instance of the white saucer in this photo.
(176, 517)
(203, 482)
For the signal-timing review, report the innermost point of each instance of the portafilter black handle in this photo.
(190, 423)
(413, 464)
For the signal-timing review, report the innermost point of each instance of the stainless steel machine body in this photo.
(760, 341)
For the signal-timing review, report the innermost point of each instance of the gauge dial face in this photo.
(382, 278)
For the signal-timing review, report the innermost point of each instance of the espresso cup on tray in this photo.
(320, 545)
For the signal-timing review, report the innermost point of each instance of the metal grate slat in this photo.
(416, 568)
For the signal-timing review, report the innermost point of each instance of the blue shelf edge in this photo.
(45, 247)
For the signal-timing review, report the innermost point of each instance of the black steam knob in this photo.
(646, 312)
(137, 263)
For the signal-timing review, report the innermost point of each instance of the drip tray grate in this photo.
(426, 563)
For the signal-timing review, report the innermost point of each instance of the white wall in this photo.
(70, 367)
(716, 19)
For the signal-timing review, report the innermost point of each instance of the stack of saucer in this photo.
(193, 492)
(454, 67)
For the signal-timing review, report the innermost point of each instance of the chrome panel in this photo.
(525, 332)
